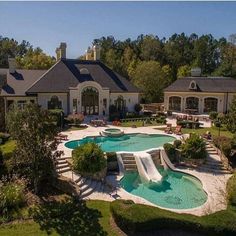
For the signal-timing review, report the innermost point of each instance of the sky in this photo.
(46, 24)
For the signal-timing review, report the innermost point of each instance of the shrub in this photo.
(231, 189)
(113, 113)
(57, 116)
(112, 163)
(137, 108)
(213, 115)
(111, 156)
(88, 159)
(75, 119)
(224, 144)
(194, 147)
(177, 143)
(135, 218)
(11, 195)
(170, 151)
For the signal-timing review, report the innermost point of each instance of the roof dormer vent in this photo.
(84, 71)
(193, 85)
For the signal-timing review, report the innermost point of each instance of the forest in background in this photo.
(149, 62)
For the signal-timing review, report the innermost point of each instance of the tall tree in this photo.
(151, 78)
(35, 59)
(35, 145)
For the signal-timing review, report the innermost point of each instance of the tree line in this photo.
(27, 57)
(152, 63)
(149, 62)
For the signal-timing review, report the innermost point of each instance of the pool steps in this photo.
(87, 186)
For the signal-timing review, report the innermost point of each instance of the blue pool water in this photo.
(177, 190)
(127, 142)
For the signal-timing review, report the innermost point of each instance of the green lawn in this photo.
(65, 218)
(71, 128)
(214, 131)
(138, 124)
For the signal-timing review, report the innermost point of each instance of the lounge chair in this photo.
(178, 130)
(61, 137)
(168, 129)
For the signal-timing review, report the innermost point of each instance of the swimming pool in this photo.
(127, 142)
(177, 190)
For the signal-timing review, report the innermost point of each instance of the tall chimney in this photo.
(96, 52)
(88, 54)
(12, 65)
(61, 51)
(196, 72)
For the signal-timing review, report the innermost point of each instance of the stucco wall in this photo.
(76, 93)
(43, 99)
(183, 95)
(131, 99)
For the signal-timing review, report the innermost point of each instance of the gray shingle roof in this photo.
(66, 73)
(204, 84)
(20, 81)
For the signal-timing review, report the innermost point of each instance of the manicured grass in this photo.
(23, 229)
(8, 147)
(214, 131)
(65, 218)
(71, 128)
(138, 124)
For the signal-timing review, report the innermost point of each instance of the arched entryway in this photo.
(54, 103)
(90, 101)
(192, 103)
(210, 104)
(175, 103)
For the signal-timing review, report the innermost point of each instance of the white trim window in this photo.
(21, 104)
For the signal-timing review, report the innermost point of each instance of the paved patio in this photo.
(213, 184)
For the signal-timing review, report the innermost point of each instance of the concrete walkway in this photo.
(214, 184)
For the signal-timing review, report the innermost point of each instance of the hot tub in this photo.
(113, 132)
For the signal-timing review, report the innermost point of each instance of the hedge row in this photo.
(133, 218)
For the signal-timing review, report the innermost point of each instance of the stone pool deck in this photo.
(214, 184)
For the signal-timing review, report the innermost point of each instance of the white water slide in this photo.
(166, 161)
(146, 168)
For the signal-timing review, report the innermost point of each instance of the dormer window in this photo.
(193, 85)
(84, 71)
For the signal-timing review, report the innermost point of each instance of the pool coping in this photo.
(215, 201)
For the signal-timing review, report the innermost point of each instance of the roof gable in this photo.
(17, 83)
(57, 79)
(203, 84)
(67, 73)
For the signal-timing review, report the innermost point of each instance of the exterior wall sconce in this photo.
(78, 102)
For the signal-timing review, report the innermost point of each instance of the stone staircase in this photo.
(213, 162)
(129, 162)
(62, 165)
(86, 185)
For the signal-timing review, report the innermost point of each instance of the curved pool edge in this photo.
(184, 210)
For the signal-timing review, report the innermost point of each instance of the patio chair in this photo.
(190, 117)
(62, 137)
(168, 129)
(178, 130)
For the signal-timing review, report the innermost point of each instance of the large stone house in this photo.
(75, 86)
(199, 94)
